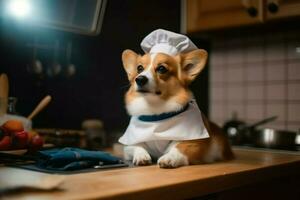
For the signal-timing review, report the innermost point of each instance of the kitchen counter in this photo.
(151, 182)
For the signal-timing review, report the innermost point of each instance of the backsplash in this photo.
(257, 76)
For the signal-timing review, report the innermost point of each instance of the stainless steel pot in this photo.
(239, 132)
(271, 138)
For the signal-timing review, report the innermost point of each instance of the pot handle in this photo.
(264, 121)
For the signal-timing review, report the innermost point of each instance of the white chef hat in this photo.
(163, 41)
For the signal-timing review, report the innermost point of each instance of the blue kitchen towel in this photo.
(73, 159)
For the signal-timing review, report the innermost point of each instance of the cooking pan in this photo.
(272, 138)
(240, 133)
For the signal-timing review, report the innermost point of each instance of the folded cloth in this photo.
(73, 159)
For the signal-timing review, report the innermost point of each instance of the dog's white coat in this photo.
(140, 156)
(150, 104)
(173, 158)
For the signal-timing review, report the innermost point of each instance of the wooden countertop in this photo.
(151, 182)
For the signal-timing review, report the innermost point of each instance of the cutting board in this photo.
(11, 178)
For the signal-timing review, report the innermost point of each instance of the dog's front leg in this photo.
(137, 154)
(173, 158)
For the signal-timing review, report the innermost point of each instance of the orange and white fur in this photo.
(166, 90)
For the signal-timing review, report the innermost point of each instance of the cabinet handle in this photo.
(273, 7)
(250, 7)
(252, 11)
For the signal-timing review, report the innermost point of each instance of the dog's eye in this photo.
(161, 69)
(140, 68)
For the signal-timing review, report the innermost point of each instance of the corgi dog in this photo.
(159, 97)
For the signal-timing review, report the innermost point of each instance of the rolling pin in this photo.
(4, 88)
(43, 103)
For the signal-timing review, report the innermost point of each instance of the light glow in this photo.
(269, 136)
(19, 8)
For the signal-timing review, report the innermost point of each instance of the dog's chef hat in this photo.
(162, 41)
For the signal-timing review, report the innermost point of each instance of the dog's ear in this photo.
(192, 64)
(129, 59)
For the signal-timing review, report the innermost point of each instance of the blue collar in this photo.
(154, 118)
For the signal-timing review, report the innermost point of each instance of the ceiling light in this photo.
(19, 8)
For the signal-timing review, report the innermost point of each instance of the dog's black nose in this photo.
(141, 80)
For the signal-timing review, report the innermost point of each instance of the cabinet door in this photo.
(213, 14)
(276, 9)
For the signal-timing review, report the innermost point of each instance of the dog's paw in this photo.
(173, 159)
(141, 157)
